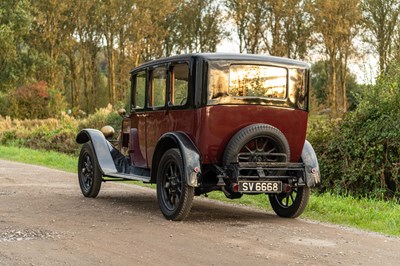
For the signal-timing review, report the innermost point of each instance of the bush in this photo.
(54, 134)
(34, 101)
(360, 154)
(31, 101)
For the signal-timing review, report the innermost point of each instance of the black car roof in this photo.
(226, 56)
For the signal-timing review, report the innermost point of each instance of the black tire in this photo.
(89, 174)
(292, 204)
(173, 194)
(278, 142)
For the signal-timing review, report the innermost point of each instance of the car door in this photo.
(156, 117)
(137, 119)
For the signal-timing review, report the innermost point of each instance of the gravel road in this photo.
(44, 220)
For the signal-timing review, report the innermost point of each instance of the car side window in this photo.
(140, 89)
(158, 87)
(179, 84)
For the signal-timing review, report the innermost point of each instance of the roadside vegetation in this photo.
(359, 156)
(363, 213)
(50, 89)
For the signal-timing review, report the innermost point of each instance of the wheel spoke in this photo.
(292, 198)
(247, 148)
(265, 145)
(176, 171)
(271, 150)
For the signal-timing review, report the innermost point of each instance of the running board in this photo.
(142, 178)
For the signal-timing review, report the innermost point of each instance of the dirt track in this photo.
(44, 220)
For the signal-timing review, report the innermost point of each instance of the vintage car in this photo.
(197, 123)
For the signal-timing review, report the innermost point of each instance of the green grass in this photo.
(367, 214)
(49, 159)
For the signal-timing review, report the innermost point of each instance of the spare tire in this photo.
(256, 141)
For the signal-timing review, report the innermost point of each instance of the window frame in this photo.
(171, 87)
(134, 90)
(150, 89)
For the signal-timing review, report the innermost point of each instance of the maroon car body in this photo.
(203, 122)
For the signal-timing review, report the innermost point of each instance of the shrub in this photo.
(360, 154)
(53, 134)
(31, 101)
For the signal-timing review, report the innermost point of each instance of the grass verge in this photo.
(367, 214)
(49, 159)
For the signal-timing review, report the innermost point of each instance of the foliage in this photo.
(279, 28)
(30, 101)
(54, 134)
(320, 86)
(360, 155)
(102, 117)
(381, 19)
(33, 101)
(203, 34)
(336, 24)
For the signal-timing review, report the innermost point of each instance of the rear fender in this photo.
(309, 158)
(190, 155)
(102, 149)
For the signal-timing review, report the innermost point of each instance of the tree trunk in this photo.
(85, 80)
(334, 89)
(74, 78)
(111, 68)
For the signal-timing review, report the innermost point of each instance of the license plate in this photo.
(260, 186)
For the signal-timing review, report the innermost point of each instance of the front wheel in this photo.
(291, 204)
(89, 174)
(173, 194)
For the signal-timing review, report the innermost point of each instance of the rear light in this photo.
(235, 187)
(287, 188)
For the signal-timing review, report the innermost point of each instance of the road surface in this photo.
(44, 220)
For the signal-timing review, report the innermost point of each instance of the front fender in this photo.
(309, 158)
(190, 155)
(102, 148)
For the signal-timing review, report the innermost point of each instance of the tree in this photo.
(15, 65)
(335, 23)
(381, 23)
(320, 84)
(248, 17)
(279, 28)
(285, 32)
(47, 36)
(205, 30)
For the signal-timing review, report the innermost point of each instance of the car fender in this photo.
(102, 149)
(309, 158)
(190, 155)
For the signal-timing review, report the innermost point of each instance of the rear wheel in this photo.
(89, 174)
(173, 194)
(291, 204)
(257, 143)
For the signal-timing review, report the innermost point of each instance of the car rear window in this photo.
(256, 83)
